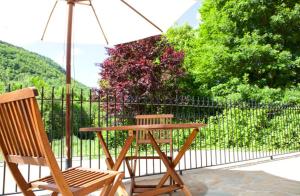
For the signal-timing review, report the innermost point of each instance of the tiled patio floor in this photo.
(270, 178)
(210, 182)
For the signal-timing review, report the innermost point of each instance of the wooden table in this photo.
(160, 188)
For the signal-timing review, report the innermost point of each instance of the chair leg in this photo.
(117, 182)
(23, 185)
(170, 159)
(133, 170)
(131, 175)
(132, 185)
(171, 183)
(122, 190)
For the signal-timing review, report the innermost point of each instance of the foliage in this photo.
(148, 68)
(54, 120)
(24, 68)
(246, 38)
(237, 91)
(183, 39)
(265, 128)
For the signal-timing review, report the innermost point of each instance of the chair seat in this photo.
(78, 179)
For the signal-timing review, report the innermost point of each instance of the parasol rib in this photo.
(47, 24)
(144, 17)
(97, 18)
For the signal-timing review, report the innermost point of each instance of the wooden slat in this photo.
(27, 160)
(154, 116)
(51, 187)
(10, 130)
(81, 179)
(6, 146)
(17, 132)
(35, 125)
(27, 114)
(6, 131)
(147, 141)
(181, 126)
(89, 179)
(93, 186)
(18, 95)
(24, 124)
(21, 128)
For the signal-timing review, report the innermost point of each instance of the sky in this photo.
(85, 56)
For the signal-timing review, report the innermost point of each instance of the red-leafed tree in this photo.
(147, 68)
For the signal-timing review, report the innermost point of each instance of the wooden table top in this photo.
(144, 127)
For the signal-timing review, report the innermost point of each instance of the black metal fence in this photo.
(235, 131)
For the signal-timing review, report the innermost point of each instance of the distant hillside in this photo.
(22, 67)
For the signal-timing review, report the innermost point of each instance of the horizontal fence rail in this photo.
(235, 132)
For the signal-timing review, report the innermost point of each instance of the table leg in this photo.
(181, 152)
(166, 161)
(186, 191)
(110, 163)
(123, 153)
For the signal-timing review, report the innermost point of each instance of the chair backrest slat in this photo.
(32, 119)
(25, 122)
(19, 129)
(11, 143)
(161, 136)
(27, 160)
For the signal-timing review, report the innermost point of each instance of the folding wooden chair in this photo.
(160, 136)
(23, 140)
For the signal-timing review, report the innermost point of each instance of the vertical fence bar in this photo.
(122, 116)
(298, 125)
(244, 134)
(209, 129)
(90, 124)
(72, 125)
(234, 137)
(52, 120)
(220, 111)
(99, 125)
(81, 122)
(42, 113)
(114, 123)
(62, 128)
(251, 151)
(257, 147)
(228, 133)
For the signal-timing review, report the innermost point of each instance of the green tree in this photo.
(254, 38)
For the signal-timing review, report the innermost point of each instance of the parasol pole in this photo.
(71, 4)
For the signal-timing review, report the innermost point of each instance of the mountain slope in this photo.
(22, 67)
